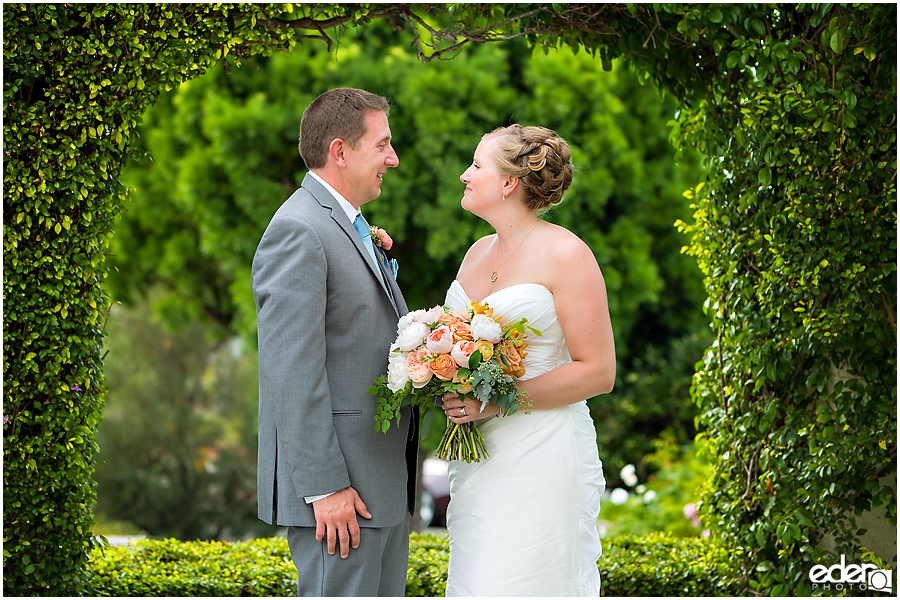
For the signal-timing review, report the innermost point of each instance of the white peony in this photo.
(412, 337)
(397, 373)
(487, 329)
(405, 321)
(429, 316)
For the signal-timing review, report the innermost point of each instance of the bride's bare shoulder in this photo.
(476, 253)
(569, 257)
(563, 244)
(479, 248)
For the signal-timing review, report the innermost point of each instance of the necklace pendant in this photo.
(494, 276)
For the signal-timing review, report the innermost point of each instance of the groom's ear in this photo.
(336, 152)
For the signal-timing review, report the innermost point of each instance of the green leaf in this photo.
(837, 41)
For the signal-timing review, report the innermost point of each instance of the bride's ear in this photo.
(510, 184)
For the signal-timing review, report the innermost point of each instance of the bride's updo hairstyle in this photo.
(539, 158)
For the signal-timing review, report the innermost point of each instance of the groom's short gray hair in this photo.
(338, 113)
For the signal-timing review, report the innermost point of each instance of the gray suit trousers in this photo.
(376, 568)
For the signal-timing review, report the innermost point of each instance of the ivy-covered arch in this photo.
(795, 230)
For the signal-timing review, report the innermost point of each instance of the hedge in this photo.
(653, 565)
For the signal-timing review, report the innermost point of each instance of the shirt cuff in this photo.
(311, 499)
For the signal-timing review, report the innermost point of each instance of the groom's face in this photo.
(370, 160)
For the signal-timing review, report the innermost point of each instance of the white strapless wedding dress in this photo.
(523, 522)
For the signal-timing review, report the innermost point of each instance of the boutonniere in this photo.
(380, 237)
(383, 242)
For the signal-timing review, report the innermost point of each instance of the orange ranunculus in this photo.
(419, 370)
(486, 348)
(444, 367)
(461, 331)
(454, 316)
(448, 319)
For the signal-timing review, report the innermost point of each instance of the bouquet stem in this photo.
(462, 441)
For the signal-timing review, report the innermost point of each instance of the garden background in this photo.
(767, 135)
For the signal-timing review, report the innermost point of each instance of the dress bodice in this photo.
(534, 302)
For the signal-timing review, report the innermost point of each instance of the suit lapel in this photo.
(327, 200)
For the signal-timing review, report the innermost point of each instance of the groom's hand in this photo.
(336, 520)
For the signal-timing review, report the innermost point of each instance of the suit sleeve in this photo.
(290, 286)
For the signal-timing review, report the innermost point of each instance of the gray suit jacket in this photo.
(326, 317)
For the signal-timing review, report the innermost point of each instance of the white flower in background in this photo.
(485, 328)
(649, 497)
(641, 489)
(618, 496)
(628, 475)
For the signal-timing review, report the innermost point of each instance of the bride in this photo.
(523, 521)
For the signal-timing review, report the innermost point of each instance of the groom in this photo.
(327, 311)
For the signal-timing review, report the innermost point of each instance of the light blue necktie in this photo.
(362, 228)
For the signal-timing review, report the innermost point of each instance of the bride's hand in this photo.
(463, 410)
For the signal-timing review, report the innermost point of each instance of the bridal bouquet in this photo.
(449, 350)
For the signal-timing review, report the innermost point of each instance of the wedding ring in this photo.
(462, 411)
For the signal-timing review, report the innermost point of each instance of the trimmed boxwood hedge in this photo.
(654, 565)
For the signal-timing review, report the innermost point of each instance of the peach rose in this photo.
(440, 341)
(461, 331)
(419, 370)
(462, 352)
(460, 314)
(512, 365)
(444, 367)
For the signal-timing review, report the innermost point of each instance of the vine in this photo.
(795, 230)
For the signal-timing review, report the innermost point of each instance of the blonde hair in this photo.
(539, 158)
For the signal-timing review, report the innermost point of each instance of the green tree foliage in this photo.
(795, 231)
(221, 155)
(177, 443)
(77, 79)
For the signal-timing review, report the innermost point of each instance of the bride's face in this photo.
(484, 183)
